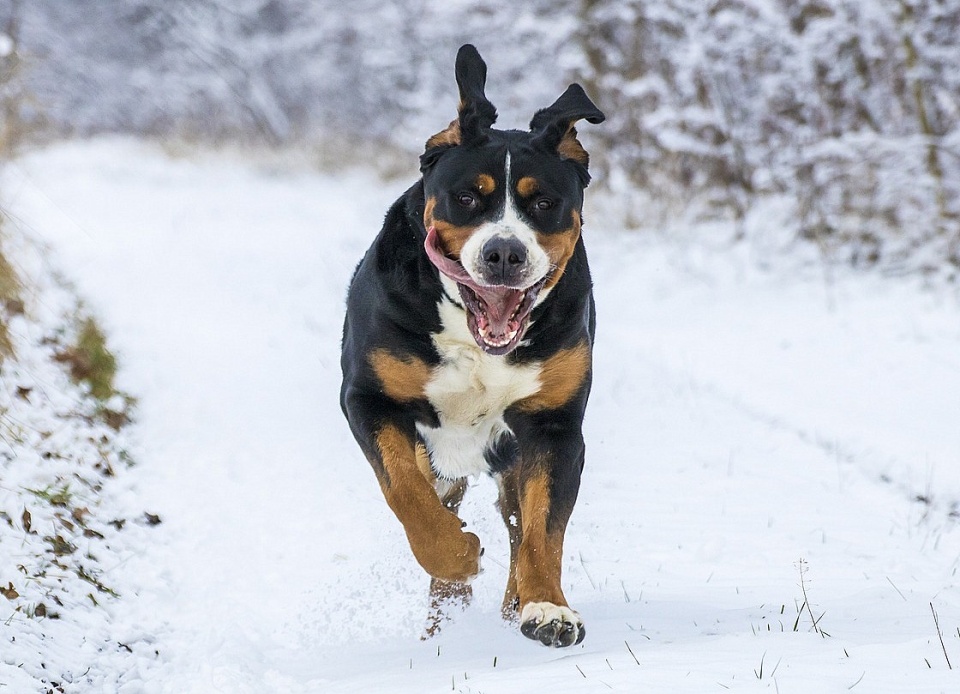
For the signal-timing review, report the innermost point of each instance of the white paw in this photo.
(552, 625)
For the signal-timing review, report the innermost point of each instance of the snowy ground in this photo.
(740, 422)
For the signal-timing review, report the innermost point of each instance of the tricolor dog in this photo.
(467, 347)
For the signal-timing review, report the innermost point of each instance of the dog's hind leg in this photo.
(446, 597)
(509, 505)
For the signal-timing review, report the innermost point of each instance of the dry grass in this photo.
(10, 302)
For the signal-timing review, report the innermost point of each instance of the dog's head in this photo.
(503, 208)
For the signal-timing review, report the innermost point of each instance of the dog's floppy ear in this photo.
(553, 126)
(477, 114)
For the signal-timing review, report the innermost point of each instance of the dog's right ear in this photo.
(477, 114)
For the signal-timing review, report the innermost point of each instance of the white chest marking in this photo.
(470, 390)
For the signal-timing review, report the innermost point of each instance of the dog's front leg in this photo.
(440, 545)
(537, 498)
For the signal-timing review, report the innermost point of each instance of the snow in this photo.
(744, 426)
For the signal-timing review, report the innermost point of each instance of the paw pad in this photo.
(551, 625)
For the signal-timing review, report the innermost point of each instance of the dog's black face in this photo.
(503, 208)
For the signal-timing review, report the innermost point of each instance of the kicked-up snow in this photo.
(773, 458)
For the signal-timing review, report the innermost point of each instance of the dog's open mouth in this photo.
(497, 316)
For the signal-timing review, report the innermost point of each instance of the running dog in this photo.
(467, 347)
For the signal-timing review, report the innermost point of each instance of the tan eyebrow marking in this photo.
(527, 186)
(485, 184)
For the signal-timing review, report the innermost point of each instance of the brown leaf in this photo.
(80, 514)
(27, 520)
(152, 519)
(9, 592)
(59, 546)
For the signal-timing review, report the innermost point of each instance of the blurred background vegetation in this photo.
(833, 121)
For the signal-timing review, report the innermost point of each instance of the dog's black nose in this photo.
(503, 259)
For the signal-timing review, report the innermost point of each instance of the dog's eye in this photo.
(467, 200)
(544, 204)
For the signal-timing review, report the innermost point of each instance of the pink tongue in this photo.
(500, 302)
(451, 268)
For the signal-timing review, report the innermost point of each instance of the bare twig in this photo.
(632, 653)
(589, 578)
(858, 681)
(802, 566)
(896, 589)
(760, 674)
(936, 621)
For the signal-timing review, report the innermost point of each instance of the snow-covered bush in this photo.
(847, 112)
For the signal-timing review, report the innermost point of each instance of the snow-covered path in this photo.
(739, 423)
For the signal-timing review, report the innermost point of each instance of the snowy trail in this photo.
(739, 423)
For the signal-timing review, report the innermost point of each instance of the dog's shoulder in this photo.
(392, 311)
(394, 291)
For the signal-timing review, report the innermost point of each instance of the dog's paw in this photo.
(455, 559)
(551, 625)
(469, 555)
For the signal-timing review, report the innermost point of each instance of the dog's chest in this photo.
(470, 390)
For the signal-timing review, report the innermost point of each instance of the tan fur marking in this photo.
(450, 136)
(452, 238)
(570, 148)
(485, 184)
(434, 532)
(509, 503)
(559, 247)
(541, 553)
(527, 186)
(403, 379)
(560, 377)
(423, 463)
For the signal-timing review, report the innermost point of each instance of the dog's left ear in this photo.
(553, 127)
(476, 113)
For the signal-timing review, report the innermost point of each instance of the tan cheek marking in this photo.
(527, 186)
(559, 247)
(485, 184)
(541, 553)
(561, 377)
(403, 379)
(452, 237)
